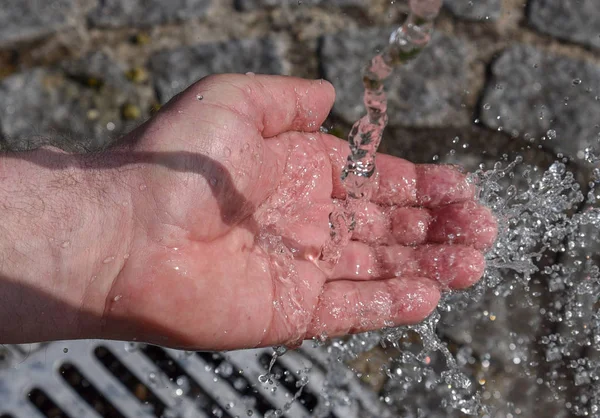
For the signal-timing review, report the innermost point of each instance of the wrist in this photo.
(66, 226)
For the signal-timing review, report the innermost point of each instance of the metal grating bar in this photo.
(155, 379)
(111, 388)
(225, 395)
(23, 410)
(249, 362)
(143, 382)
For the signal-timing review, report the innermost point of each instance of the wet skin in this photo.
(228, 209)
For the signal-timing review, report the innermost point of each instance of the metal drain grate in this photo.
(81, 379)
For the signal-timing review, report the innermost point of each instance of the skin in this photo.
(204, 227)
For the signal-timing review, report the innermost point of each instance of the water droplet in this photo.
(65, 350)
(108, 260)
(487, 106)
(118, 298)
(213, 181)
(199, 97)
(132, 347)
(576, 81)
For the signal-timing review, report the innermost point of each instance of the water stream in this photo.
(364, 139)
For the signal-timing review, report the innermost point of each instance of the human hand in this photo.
(227, 242)
(230, 189)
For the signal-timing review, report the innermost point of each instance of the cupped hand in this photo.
(231, 213)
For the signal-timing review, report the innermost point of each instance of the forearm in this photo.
(61, 245)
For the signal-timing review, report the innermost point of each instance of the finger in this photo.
(272, 104)
(347, 307)
(403, 183)
(372, 224)
(452, 266)
(338, 155)
(410, 225)
(466, 223)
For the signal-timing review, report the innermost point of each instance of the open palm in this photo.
(232, 212)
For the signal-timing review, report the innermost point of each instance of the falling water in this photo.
(365, 136)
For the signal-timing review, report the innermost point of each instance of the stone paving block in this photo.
(247, 5)
(175, 70)
(24, 20)
(573, 20)
(426, 92)
(144, 13)
(474, 9)
(533, 94)
(68, 107)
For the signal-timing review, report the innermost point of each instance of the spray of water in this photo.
(543, 243)
(544, 259)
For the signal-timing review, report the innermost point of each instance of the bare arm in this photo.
(63, 225)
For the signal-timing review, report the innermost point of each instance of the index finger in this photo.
(403, 183)
(272, 104)
(406, 184)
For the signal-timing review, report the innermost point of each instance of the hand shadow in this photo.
(234, 207)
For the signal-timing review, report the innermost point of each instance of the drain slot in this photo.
(183, 381)
(289, 381)
(88, 392)
(45, 405)
(240, 383)
(140, 391)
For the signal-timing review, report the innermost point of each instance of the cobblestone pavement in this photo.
(501, 76)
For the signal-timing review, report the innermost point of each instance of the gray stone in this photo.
(540, 96)
(175, 70)
(247, 5)
(24, 20)
(143, 13)
(71, 108)
(475, 9)
(572, 20)
(426, 92)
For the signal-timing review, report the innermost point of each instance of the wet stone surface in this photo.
(538, 96)
(572, 20)
(77, 107)
(427, 92)
(474, 9)
(141, 13)
(259, 4)
(174, 70)
(24, 20)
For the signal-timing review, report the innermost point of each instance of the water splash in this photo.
(545, 261)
